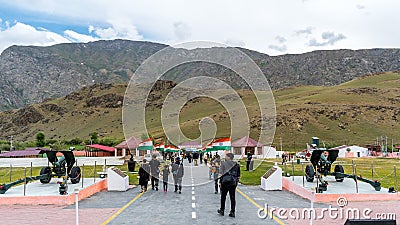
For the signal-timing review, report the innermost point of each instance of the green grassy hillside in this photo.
(355, 112)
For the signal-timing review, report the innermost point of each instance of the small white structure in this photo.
(272, 179)
(117, 180)
(244, 145)
(351, 151)
(270, 152)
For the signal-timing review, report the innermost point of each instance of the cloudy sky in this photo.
(274, 27)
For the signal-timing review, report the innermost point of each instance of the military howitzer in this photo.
(321, 166)
(62, 167)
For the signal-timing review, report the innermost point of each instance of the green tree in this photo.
(59, 146)
(94, 137)
(40, 139)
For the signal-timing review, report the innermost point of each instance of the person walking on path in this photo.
(196, 158)
(205, 158)
(178, 172)
(201, 158)
(212, 160)
(154, 171)
(248, 161)
(214, 175)
(165, 174)
(218, 160)
(144, 175)
(229, 177)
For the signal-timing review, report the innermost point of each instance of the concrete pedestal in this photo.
(272, 179)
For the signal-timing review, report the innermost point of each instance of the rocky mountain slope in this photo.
(354, 112)
(32, 74)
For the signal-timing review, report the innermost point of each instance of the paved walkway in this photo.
(196, 205)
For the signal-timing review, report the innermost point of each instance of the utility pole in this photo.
(11, 143)
(386, 143)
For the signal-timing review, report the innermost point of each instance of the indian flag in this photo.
(171, 148)
(159, 147)
(221, 144)
(146, 144)
(208, 148)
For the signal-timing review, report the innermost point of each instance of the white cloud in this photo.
(305, 31)
(278, 48)
(328, 38)
(182, 31)
(123, 31)
(22, 34)
(280, 39)
(77, 37)
(281, 47)
(360, 7)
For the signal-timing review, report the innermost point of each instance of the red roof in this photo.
(24, 153)
(131, 143)
(246, 142)
(101, 147)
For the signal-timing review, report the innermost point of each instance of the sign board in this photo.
(117, 180)
(272, 179)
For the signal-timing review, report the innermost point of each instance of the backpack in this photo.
(230, 178)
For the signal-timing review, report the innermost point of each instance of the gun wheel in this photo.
(75, 175)
(339, 177)
(45, 171)
(310, 173)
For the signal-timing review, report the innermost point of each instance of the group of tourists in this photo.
(225, 173)
(151, 171)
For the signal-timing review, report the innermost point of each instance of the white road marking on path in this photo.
(194, 216)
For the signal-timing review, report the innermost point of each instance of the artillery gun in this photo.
(62, 167)
(321, 167)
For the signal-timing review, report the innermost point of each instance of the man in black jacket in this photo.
(177, 172)
(229, 172)
(248, 161)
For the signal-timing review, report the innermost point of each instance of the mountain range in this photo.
(30, 74)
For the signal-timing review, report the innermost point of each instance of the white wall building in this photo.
(355, 151)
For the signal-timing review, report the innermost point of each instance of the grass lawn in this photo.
(383, 170)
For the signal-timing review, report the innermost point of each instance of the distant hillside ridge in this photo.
(30, 74)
